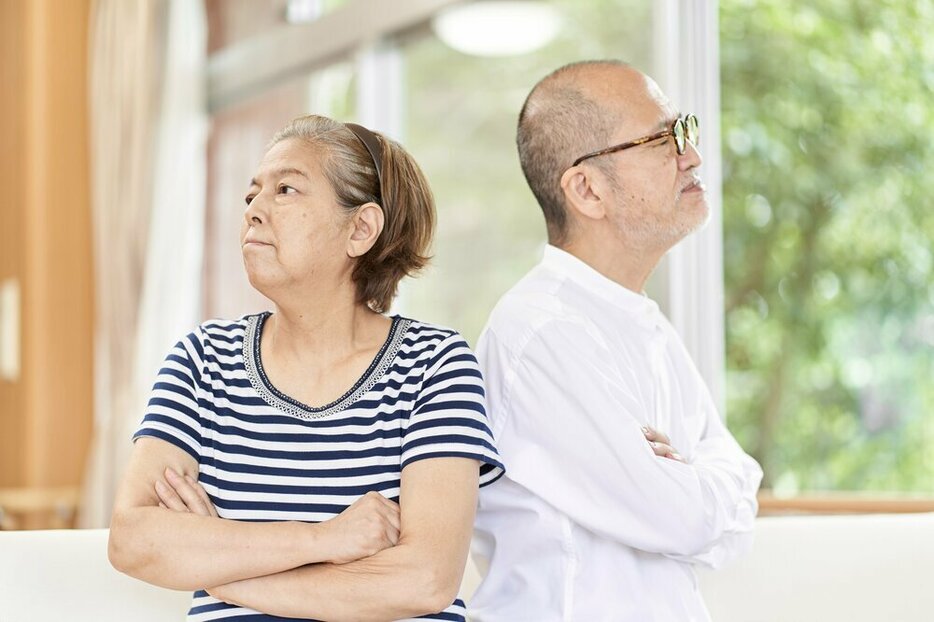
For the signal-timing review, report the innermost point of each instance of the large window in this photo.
(827, 224)
(828, 228)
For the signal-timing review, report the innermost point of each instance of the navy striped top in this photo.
(264, 456)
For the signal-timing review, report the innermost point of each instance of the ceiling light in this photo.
(497, 27)
(303, 11)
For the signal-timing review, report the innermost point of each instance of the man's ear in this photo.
(367, 224)
(584, 192)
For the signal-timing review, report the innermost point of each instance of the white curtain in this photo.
(148, 146)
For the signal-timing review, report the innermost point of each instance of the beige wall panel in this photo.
(12, 171)
(46, 416)
(58, 320)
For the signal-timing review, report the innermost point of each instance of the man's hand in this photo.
(661, 444)
(367, 527)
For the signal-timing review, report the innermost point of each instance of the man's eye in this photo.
(249, 198)
(283, 189)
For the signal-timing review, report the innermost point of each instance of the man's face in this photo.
(657, 196)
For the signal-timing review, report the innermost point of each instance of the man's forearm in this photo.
(395, 583)
(731, 544)
(737, 537)
(186, 551)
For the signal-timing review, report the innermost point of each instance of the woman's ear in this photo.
(584, 192)
(367, 223)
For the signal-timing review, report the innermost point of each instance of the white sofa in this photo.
(872, 568)
(868, 568)
(48, 576)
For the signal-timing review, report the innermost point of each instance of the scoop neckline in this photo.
(276, 398)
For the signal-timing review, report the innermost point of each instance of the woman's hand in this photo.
(184, 494)
(367, 527)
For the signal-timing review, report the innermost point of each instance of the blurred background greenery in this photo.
(828, 226)
(828, 232)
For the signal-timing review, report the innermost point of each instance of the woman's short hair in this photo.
(403, 193)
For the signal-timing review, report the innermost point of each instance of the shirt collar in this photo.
(581, 273)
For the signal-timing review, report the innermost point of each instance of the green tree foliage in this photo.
(828, 120)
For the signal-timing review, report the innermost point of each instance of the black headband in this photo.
(371, 142)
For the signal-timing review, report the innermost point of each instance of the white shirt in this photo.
(588, 524)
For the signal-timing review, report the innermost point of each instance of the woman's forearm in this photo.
(396, 583)
(186, 551)
(420, 575)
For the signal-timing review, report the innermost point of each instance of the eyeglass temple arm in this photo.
(632, 143)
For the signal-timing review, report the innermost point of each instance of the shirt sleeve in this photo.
(172, 413)
(566, 424)
(449, 415)
(715, 447)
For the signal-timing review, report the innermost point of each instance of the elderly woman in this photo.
(320, 461)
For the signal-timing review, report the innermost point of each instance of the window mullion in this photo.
(686, 57)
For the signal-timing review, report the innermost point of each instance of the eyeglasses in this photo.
(684, 129)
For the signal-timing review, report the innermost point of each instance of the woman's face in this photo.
(294, 233)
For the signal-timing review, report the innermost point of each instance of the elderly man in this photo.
(620, 474)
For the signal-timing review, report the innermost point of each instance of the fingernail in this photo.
(160, 485)
(677, 457)
(653, 443)
(170, 473)
(645, 430)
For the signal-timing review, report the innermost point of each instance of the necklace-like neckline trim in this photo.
(291, 406)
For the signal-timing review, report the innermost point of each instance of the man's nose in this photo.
(691, 157)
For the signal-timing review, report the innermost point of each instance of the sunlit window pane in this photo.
(460, 121)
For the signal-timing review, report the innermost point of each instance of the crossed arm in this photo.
(372, 562)
(609, 481)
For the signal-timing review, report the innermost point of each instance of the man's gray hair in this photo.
(560, 122)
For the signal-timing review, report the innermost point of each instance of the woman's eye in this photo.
(249, 199)
(283, 189)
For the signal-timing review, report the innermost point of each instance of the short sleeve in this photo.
(449, 415)
(172, 412)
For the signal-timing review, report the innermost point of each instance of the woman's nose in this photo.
(255, 212)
